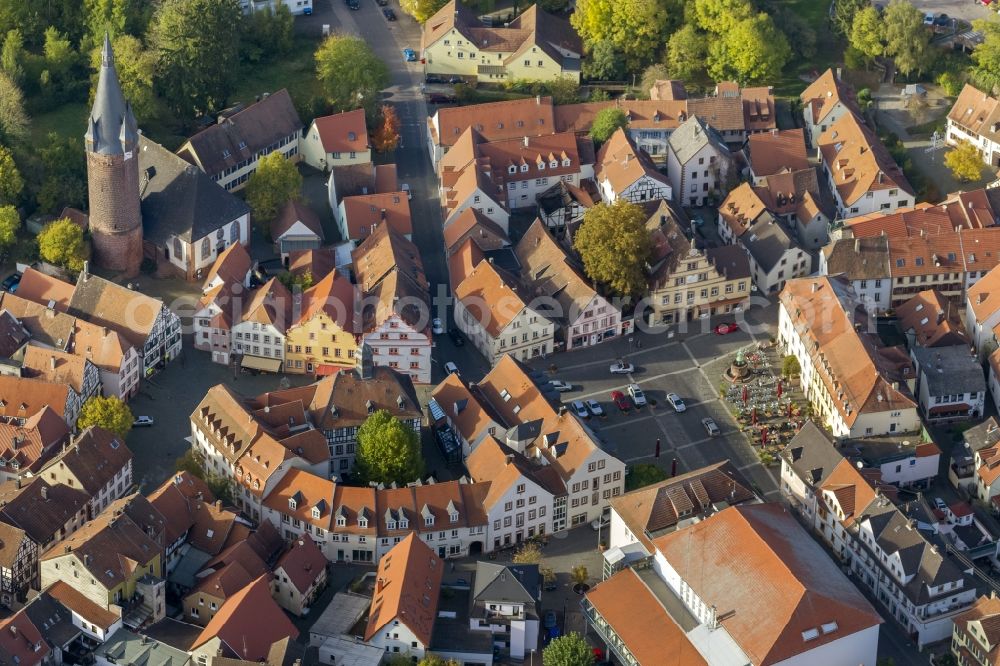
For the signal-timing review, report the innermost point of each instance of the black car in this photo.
(389, 14)
(354, 4)
(456, 337)
(943, 20)
(438, 98)
(455, 79)
(382, 3)
(434, 79)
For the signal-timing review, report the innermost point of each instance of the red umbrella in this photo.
(746, 395)
(779, 388)
(763, 437)
(753, 416)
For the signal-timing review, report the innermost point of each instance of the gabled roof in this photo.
(73, 599)
(294, 212)
(343, 132)
(243, 134)
(364, 212)
(512, 583)
(851, 491)
(621, 163)
(778, 594)
(177, 499)
(933, 319)
(180, 200)
(25, 447)
(334, 296)
(693, 135)
(984, 296)
(637, 616)
(13, 334)
(56, 366)
(248, 623)
(857, 161)
(95, 458)
(825, 93)
(19, 637)
(977, 112)
(40, 509)
(23, 397)
(985, 614)
(812, 454)
(47, 327)
(472, 224)
(408, 581)
(386, 250)
(271, 304)
(303, 563)
(493, 297)
(105, 303)
(777, 150)
(45, 289)
(231, 266)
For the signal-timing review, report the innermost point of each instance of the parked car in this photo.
(621, 368)
(638, 397)
(594, 407)
(433, 78)
(451, 368)
(437, 326)
(560, 386)
(579, 409)
(939, 504)
(549, 620)
(710, 426)
(676, 402)
(726, 329)
(944, 21)
(456, 337)
(439, 98)
(620, 401)
(143, 422)
(382, 3)
(307, 11)
(928, 19)
(10, 282)
(389, 14)
(550, 586)
(354, 4)
(409, 55)
(405, 187)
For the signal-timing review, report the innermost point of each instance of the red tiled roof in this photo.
(248, 623)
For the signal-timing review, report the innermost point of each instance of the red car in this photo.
(725, 329)
(621, 402)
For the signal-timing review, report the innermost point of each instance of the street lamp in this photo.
(532, 656)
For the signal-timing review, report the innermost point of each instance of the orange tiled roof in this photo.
(408, 581)
(857, 160)
(248, 623)
(363, 213)
(933, 319)
(825, 93)
(343, 132)
(493, 297)
(303, 562)
(777, 150)
(977, 112)
(621, 163)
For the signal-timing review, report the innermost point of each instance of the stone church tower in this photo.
(112, 143)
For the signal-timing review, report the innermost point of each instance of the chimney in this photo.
(85, 273)
(380, 584)
(525, 142)
(44, 492)
(52, 362)
(218, 505)
(857, 245)
(510, 458)
(538, 100)
(815, 287)
(838, 73)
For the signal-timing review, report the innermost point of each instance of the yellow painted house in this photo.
(323, 340)
(535, 46)
(113, 560)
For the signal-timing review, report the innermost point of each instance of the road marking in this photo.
(652, 415)
(644, 380)
(631, 354)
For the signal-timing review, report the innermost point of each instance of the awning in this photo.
(494, 70)
(261, 363)
(324, 370)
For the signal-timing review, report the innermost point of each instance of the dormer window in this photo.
(391, 525)
(404, 524)
(429, 520)
(292, 503)
(243, 145)
(541, 166)
(453, 517)
(553, 164)
(315, 512)
(566, 162)
(512, 169)
(524, 168)
(341, 521)
(362, 522)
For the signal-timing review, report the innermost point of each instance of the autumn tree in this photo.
(10, 222)
(386, 137)
(61, 243)
(421, 10)
(965, 162)
(388, 451)
(109, 413)
(907, 40)
(351, 76)
(868, 32)
(843, 12)
(11, 182)
(13, 119)
(615, 247)
(136, 68)
(635, 28)
(751, 51)
(719, 16)
(986, 56)
(607, 122)
(569, 650)
(528, 553)
(196, 43)
(275, 182)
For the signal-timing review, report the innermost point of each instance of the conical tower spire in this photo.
(111, 128)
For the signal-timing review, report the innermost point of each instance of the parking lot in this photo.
(690, 366)
(965, 10)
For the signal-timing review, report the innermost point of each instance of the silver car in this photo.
(579, 409)
(676, 402)
(638, 397)
(595, 407)
(710, 426)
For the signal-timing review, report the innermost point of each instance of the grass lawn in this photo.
(829, 47)
(65, 120)
(295, 71)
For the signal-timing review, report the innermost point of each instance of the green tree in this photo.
(528, 553)
(651, 75)
(986, 56)
(965, 162)
(197, 44)
(10, 222)
(563, 90)
(116, 17)
(268, 34)
(434, 660)
(907, 40)
(868, 32)
(59, 56)
(636, 28)
(387, 451)
(13, 119)
(579, 575)
(61, 244)
(607, 122)
(790, 366)
(192, 463)
(642, 475)
(799, 33)
(842, 15)
(296, 281)
(11, 182)
(13, 56)
(421, 10)
(568, 650)
(614, 246)
(275, 181)
(719, 16)
(604, 62)
(63, 178)
(685, 57)
(136, 68)
(109, 413)
(751, 51)
(350, 74)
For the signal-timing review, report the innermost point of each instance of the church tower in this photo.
(112, 143)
